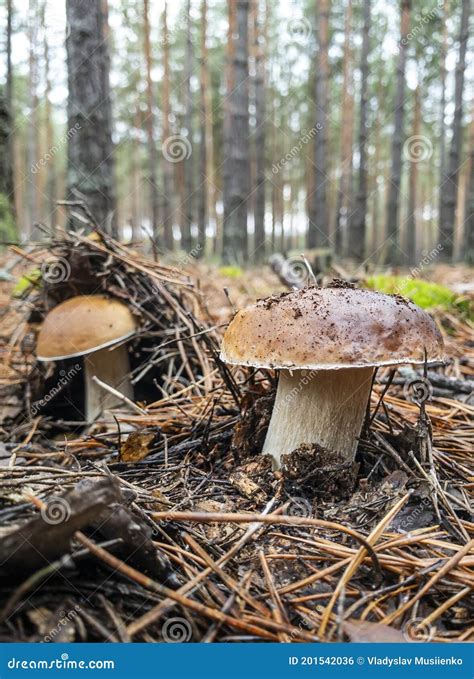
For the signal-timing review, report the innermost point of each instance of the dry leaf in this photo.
(137, 446)
(361, 631)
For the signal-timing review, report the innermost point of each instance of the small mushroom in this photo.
(88, 326)
(326, 343)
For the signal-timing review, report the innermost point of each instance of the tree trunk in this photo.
(90, 151)
(152, 153)
(9, 187)
(344, 195)
(186, 237)
(203, 194)
(443, 74)
(449, 185)
(358, 221)
(33, 165)
(411, 225)
(236, 169)
(397, 140)
(468, 235)
(260, 131)
(51, 171)
(318, 229)
(173, 149)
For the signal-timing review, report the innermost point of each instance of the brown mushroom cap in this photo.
(81, 325)
(329, 328)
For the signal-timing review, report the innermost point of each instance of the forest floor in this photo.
(163, 522)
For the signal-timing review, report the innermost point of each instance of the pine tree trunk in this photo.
(32, 156)
(344, 195)
(186, 237)
(357, 229)
(203, 193)
(51, 170)
(260, 132)
(449, 185)
(167, 144)
(443, 74)
(236, 169)
(152, 153)
(393, 203)
(318, 228)
(90, 151)
(9, 187)
(468, 235)
(411, 225)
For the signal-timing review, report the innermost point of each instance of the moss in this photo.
(24, 284)
(231, 271)
(423, 293)
(7, 223)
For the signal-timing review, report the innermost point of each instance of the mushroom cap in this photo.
(81, 325)
(330, 328)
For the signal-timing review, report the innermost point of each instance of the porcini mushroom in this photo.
(326, 343)
(88, 326)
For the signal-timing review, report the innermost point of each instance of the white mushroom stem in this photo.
(326, 407)
(111, 366)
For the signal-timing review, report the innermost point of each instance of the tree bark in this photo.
(186, 237)
(411, 226)
(90, 168)
(150, 125)
(443, 74)
(318, 228)
(167, 143)
(203, 194)
(397, 140)
(468, 236)
(9, 187)
(236, 169)
(260, 131)
(357, 226)
(449, 185)
(344, 195)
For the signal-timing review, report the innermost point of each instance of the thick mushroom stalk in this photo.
(326, 407)
(111, 366)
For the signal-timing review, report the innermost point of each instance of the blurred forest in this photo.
(235, 129)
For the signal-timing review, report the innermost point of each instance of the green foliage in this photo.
(23, 285)
(423, 293)
(7, 223)
(231, 271)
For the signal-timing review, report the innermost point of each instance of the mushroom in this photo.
(88, 326)
(326, 343)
